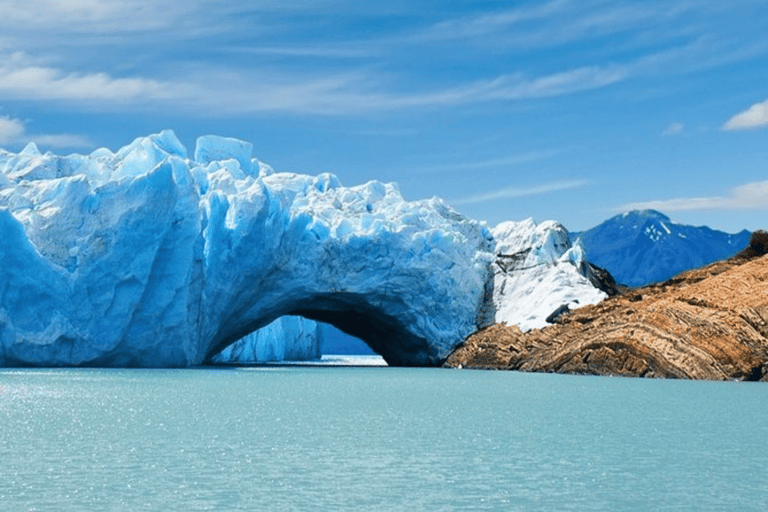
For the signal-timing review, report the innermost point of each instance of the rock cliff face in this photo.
(710, 323)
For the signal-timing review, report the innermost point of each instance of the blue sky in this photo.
(565, 110)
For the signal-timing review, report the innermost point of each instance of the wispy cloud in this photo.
(22, 78)
(472, 27)
(558, 22)
(329, 51)
(512, 160)
(348, 93)
(755, 116)
(750, 196)
(14, 131)
(515, 192)
(673, 129)
(90, 16)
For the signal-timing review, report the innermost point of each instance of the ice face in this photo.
(536, 271)
(144, 257)
(289, 338)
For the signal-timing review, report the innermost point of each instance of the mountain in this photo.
(643, 247)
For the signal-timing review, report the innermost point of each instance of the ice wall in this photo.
(146, 257)
(289, 338)
(536, 271)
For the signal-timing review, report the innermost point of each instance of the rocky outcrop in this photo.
(710, 323)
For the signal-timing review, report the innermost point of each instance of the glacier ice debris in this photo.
(147, 257)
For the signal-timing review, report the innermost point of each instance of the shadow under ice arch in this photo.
(352, 314)
(146, 257)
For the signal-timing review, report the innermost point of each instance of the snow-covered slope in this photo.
(289, 338)
(146, 257)
(643, 247)
(536, 271)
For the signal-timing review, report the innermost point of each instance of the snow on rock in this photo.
(289, 338)
(145, 257)
(537, 271)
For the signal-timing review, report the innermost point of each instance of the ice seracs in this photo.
(145, 257)
(536, 272)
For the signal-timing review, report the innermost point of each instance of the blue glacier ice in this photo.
(149, 257)
(289, 338)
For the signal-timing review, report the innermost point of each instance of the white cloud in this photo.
(751, 196)
(463, 28)
(674, 129)
(560, 22)
(357, 49)
(755, 116)
(91, 16)
(20, 78)
(13, 131)
(515, 192)
(491, 163)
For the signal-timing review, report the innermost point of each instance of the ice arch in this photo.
(146, 257)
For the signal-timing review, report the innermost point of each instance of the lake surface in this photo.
(307, 438)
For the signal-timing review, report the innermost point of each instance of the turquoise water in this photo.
(376, 439)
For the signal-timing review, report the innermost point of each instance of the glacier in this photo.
(537, 271)
(148, 257)
(289, 338)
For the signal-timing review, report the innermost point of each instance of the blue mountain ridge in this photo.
(644, 247)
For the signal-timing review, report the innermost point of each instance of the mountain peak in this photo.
(643, 246)
(643, 214)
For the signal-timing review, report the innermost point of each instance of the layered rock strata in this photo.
(709, 323)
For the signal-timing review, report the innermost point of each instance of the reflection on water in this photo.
(335, 438)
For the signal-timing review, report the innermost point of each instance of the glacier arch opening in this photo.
(351, 314)
(384, 334)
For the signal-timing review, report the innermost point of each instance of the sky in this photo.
(566, 110)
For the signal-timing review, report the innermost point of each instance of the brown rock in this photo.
(709, 323)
